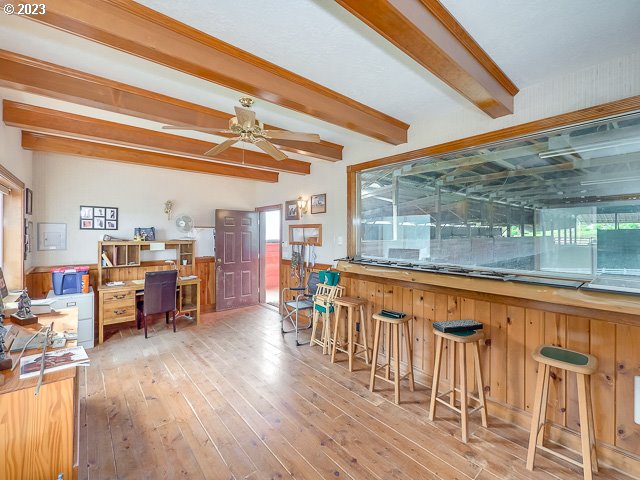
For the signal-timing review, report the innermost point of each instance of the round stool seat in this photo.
(392, 320)
(469, 336)
(566, 359)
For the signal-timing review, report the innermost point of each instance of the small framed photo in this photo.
(86, 224)
(291, 210)
(98, 211)
(28, 201)
(319, 203)
(86, 212)
(111, 225)
(112, 214)
(98, 223)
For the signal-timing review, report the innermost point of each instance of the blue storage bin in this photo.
(67, 280)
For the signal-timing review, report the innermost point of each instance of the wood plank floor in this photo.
(232, 398)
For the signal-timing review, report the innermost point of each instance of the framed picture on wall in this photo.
(98, 218)
(319, 203)
(28, 201)
(291, 210)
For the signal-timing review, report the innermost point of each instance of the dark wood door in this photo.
(237, 247)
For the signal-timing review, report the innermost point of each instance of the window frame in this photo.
(596, 113)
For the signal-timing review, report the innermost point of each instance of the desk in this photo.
(40, 434)
(117, 304)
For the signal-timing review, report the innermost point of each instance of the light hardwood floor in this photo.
(232, 398)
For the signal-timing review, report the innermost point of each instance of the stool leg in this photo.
(314, 321)
(585, 433)
(396, 361)
(536, 412)
(592, 431)
(350, 327)
(409, 339)
(326, 329)
(483, 401)
(544, 405)
(436, 378)
(363, 333)
(387, 350)
(464, 413)
(452, 372)
(374, 356)
(335, 333)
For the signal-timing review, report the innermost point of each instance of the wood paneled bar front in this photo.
(517, 318)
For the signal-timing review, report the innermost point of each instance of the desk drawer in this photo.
(118, 312)
(118, 296)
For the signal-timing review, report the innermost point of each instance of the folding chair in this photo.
(302, 302)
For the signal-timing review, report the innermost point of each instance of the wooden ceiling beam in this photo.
(42, 78)
(428, 33)
(41, 142)
(141, 31)
(40, 119)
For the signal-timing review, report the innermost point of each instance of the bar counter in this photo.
(517, 318)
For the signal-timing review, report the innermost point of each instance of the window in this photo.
(565, 203)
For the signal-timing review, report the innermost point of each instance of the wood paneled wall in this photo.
(513, 331)
(38, 279)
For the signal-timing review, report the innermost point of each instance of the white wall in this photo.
(613, 80)
(16, 160)
(62, 183)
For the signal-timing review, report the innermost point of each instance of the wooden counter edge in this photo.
(611, 307)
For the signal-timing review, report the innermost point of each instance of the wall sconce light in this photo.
(168, 209)
(302, 205)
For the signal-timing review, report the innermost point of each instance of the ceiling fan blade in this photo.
(286, 135)
(246, 118)
(198, 129)
(267, 147)
(221, 147)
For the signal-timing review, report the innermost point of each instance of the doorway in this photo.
(270, 254)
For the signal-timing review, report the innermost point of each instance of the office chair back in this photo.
(160, 291)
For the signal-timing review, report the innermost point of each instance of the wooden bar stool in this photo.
(352, 305)
(583, 365)
(393, 330)
(460, 339)
(323, 308)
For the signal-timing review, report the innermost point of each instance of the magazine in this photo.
(54, 360)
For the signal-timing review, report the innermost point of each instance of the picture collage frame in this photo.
(98, 218)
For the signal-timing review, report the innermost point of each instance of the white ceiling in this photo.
(533, 40)
(530, 40)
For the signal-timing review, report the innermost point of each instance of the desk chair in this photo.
(302, 302)
(159, 296)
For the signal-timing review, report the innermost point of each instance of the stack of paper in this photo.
(42, 306)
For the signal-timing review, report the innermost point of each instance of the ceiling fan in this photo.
(251, 130)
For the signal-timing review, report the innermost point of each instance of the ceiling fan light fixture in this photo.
(247, 128)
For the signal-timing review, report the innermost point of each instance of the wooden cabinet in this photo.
(39, 434)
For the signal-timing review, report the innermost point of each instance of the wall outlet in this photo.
(637, 401)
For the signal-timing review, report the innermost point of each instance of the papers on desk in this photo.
(53, 361)
(42, 306)
(188, 277)
(137, 282)
(114, 284)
